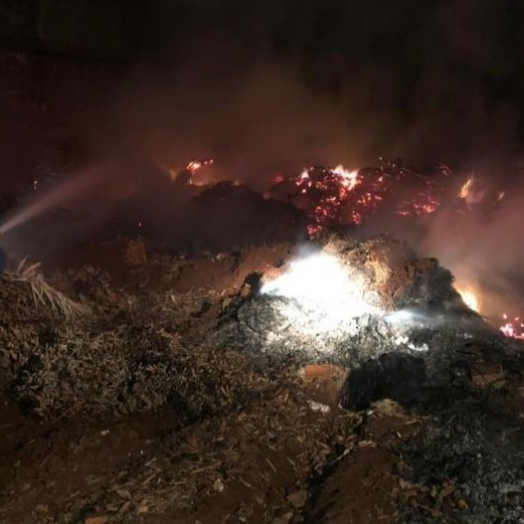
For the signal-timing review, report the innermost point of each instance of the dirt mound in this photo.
(226, 217)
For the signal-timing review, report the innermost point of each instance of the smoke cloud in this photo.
(484, 250)
(276, 86)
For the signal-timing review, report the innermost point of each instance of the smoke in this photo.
(253, 120)
(484, 248)
(300, 83)
(275, 86)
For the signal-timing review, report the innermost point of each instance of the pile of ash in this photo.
(467, 464)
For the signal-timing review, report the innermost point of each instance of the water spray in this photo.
(63, 193)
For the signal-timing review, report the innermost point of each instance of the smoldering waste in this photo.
(212, 351)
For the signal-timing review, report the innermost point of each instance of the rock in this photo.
(389, 408)
(462, 505)
(218, 485)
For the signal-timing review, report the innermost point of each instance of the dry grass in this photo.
(44, 295)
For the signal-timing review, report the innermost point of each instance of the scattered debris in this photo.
(256, 433)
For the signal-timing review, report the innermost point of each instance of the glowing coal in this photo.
(327, 294)
(513, 328)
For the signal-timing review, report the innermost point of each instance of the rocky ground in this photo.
(127, 398)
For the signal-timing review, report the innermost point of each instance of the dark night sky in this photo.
(423, 80)
(440, 78)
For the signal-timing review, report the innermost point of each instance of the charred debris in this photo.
(202, 337)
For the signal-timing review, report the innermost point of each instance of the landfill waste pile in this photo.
(284, 381)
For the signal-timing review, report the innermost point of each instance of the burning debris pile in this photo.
(334, 197)
(337, 301)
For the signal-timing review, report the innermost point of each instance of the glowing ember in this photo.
(349, 179)
(474, 193)
(513, 328)
(326, 293)
(195, 165)
(469, 298)
(466, 189)
(338, 196)
(471, 193)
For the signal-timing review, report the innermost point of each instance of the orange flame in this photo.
(339, 196)
(466, 189)
(470, 298)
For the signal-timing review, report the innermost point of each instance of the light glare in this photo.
(469, 298)
(324, 289)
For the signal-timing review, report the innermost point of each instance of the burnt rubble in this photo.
(436, 357)
(419, 314)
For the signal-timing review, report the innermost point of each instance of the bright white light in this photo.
(325, 291)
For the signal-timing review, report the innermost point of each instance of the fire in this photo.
(338, 196)
(195, 165)
(349, 179)
(512, 328)
(470, 298)
(474, 193)
(466, 189)
(323, 289)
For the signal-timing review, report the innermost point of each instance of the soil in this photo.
(71, 467)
